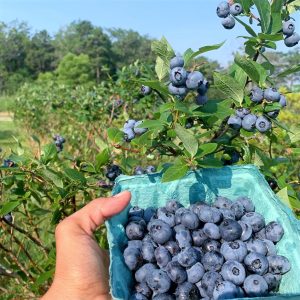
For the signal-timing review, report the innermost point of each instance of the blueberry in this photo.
(167, 217)
(222, 202)
(288, 28)
(271, 248)
(176, 62)
(261, 234)
(163, 296)
(212, 231)
(150, 169)
(228, 22)
(273, 281)
(143, 288)
(223, 9)
(257, 95)
(172, 206)
(135, 231)
(142, 273)
(263, 124)
(138, 296)
(236, 250)
(278, 264)
(225, 290)
(273, 114)
(147, 251)
(189, 123)
(274, 232)
(227, 213)
(160, 231)
(177, 90)
(129, 124)
(203, 88)
(236, 9)
(176, 272)
(128, 135)
(179, 227)
(254, 219)
(209, 214)
(183, 238)
(149, 212)
(242, 112)
(208, 283)
(138, 170)
(257, 246)
(212, 261)
(187, 291)
(211, 245)
(256, 263)
(138, 130)
(235, 122)
(178, 76)
(136, 244)
(158, 281)
(246, 231)
(234, 272)
(179, 213)
(271, 94)
(282, 100)
(113, 172)
(145, 90)
(194, 80)
(249, 122)
(133, 258)
(8, 218)
(190, 220)
(230, 230)
(238, 209)
(292, 40)
(247, 203)
(201, 99)
(135, 211)
(172, 247)
(199, 237)
(188, 257)
(255, 286)
(195, 273)
(162, 256)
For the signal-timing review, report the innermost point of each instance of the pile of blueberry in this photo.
(131, 129)
(291, 37)
(182, 81)
(222, 251)
(243, 117)
(140, 170)
(112, 172)
(59, 142)
(227, 12)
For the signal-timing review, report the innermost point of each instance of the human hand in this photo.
(81, 271)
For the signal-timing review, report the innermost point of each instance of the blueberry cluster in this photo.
(140, 170)
(59, 142)
(182, 81)
(8, 163)
(227, 12)
(145, 90)
(291, 37)
(222, 251)
(113, 172)
(131, 129)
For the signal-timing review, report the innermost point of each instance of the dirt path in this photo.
(6, 116)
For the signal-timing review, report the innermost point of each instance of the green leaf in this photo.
(264, 9)
(44, 277)
(157, 86)
(163, 49)
(8, 207)
(271, 37)
(153, 124)
(295, 5)
(206, 149)
(291, 70)
(247, 27)
(54, 177)
(246, 4)
(272, 106)
(229, 87)
(187, 56)
(176, 171)
(210, 163)
(75, 175)
(254, 70)
(188, 139)
(239, 74)
(284, 197)
(161, 68)
(115, 135)
(48, 153)
(258, 161)
(102, 158)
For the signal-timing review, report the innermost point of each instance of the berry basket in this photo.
(204, 185)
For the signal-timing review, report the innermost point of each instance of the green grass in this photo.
(6, 103)
(7, 131)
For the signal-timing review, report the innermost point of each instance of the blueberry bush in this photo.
(171, 117)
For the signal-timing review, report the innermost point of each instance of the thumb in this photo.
(95, 213)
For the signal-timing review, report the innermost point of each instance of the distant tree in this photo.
(129, 46)
(83, 38)
(40, 54)
(74, 69)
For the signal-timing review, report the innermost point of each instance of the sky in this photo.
(185, 23)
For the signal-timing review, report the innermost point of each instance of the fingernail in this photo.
(119, 195)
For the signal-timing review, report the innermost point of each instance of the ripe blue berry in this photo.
(292, 40)
(149, 212)
(230, 230)
(160, 231)
(145, 90)
(256, 263)
(135, 211)
(223, 9)
(143, 288)
(188, 257)
(209, 214)
(212, 261)
(236, 250)
(177, 90)
(176, 62)
(222, 202)
(212, 231)
(201, 99)
(271, 248)
(190, 220)
(172, 247)
(274, 231)
(211, 245)
(249, 122)
(236, 9)
(135, 231)
(187, 290)
(278, 264)
(178, 76)
(138, 296)
(158, 281)
(246, 231)
(147, 251)
(195, 273)
(228, 22)
(225, 290)
(257, 246)
(282, 100)
(288, 27)
(234, 272)
(273, 281)
(256, 95)
(172, 206)
(235, 122)
(133, 258)
(142, 273)
(247, 203)
(254, 219)
(194, 80)
(271, 94)
(255, 286)
(138, 170)
(273, 114)
(138, 130)
(199, 237)
(167, 217)
(150, 169)
(176, 272)
(162, 256)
